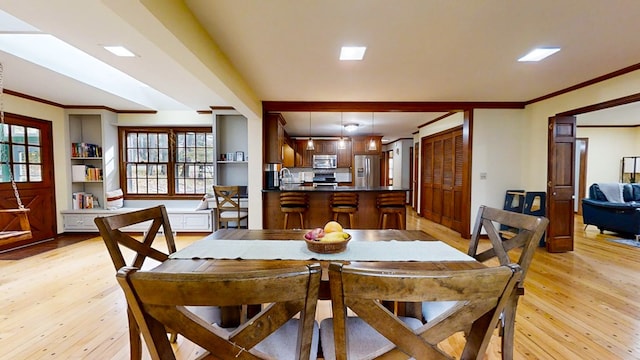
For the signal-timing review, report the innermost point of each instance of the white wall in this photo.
(606, 148)
(496, 157)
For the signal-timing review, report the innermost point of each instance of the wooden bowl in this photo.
(327, 247)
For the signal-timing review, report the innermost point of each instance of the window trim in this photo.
(122, 151)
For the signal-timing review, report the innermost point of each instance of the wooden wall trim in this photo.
(603, 105)
(467, 147)
(437, 119)
(386, 106)
(596, 80)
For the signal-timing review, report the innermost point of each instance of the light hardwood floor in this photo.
(585, 304)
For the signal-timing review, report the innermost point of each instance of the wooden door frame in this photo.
(582, 147)
(416, 177)
(463, 226)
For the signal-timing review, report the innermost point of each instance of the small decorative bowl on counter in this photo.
(327, 247)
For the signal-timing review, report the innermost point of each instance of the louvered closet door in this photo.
(447, 182)
(457, 223)
(441, 170)
(426, 178)
(438, 162)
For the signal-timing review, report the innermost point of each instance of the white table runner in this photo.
(297, 250)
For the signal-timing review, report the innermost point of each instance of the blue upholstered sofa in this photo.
(620, 217)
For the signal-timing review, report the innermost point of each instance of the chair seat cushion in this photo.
(433, 309)
(233, 214)
(364, 341)
(282, 343)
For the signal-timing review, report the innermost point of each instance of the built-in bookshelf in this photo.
(89, 136)
(231, 149)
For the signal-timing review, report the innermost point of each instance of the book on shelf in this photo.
(86, 173)
(83, 200)
(85, 150)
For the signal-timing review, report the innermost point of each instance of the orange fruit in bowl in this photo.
(332, 226)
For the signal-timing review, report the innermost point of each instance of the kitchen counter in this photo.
(319, 211)
(296, 187)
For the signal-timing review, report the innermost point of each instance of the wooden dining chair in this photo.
(525, 234)
(113, 231)
(159, 300)
(376, 332)
(228, 206)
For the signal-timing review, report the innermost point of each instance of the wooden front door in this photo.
(560, 183)
(31, 160)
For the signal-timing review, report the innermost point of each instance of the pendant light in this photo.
(372, 142)
(310, 141)
(341, 144)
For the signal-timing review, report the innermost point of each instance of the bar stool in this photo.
(344, 203)
(391, 203)
(292, 203)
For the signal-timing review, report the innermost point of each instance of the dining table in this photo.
(234, 250)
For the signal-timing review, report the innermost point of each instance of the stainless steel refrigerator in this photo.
(367, 170)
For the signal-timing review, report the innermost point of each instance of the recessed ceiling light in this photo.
(352, 52)
(539, 54)
(119, 51)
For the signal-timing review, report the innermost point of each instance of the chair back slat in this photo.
(114, 235)
(529, 229)
(344, 199)
(227, 197)
(396, 198)
(162, 299)
(293, 199)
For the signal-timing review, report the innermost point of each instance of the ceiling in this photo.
(287, 50)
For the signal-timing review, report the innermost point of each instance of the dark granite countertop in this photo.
(335, 188)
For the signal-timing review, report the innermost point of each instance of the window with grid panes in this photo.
(167, 161)
(21, 149)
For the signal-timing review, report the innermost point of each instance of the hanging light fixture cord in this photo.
(310, 145)
(372, 142)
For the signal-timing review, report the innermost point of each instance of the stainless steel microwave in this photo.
(325, 161)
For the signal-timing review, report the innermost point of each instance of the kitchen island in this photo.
(319, 211)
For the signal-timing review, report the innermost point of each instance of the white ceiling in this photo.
(287, 50)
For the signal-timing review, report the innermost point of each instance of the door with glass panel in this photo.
(27, 148)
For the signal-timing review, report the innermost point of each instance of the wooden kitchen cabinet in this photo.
(325, 147)
(345, 155)
(288, 155)
(304, 157)
(274, 138)
(361, 145)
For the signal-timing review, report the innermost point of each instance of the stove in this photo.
(324, 179)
